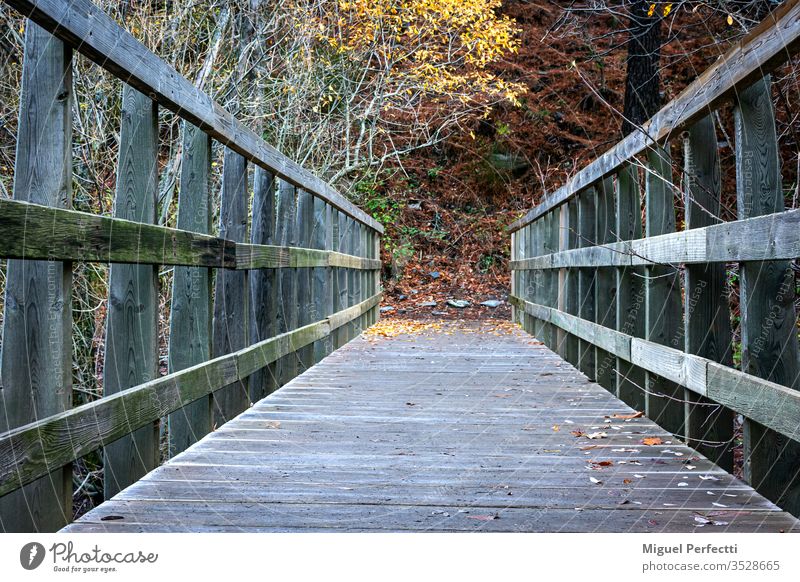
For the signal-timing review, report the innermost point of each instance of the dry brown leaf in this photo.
(578, 432)
(651, 441)
(483, 517)
(629, 416)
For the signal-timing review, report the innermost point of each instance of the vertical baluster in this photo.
(630, 286)
(376, 274)
(552, 228)
(321, 276)
(286, 233)
(190, 310)
(709, 429)
(305, 300)
(769, 321)
(587, 206)
(664, 323)
(534, 280)
(230, 327)
(352, 278)
(605, 285)
(37, 322)
(571, 301)
(514, 274)
(131, 349)
(263, 282)
(342, 277)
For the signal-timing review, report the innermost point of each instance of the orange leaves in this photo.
(652, 441)
(629, 416)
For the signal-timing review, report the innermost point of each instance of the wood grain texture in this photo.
(630, 317)
(707, 314)
(767, 293)
(97, 36)
(131, 346)
(322, 291)
(605, 284)
(263, 282)
(380, 437)
(287, 314)
(190, 310)
(28, 452)
(587, 202)
(36, 368)
(305, 298)
(763, 49)
(663, 308)
(231, 293)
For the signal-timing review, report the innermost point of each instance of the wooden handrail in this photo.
(760, 52)
(95, 34)
(36, 449)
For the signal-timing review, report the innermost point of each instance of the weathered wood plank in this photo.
(287, 314)
(605, 284)
(587, 202)
(131, 352)
(33, 450)
(95, 34)
(322, 292)
(263, 282)
(36, 368)
(663, 317)
(630, 317)
(707, 314)
(230, 326)
(767, 294)
(762, 50)
(190, 310)
(346, 446)
(305, 299)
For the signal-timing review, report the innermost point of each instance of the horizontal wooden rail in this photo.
(775, 406)
(35, 232)
(36, 449)
(765, 48)
(764, 238)
(95, 34)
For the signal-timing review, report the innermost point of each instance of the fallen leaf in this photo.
(111, 518)
(483, 517)
(651, 441)
(556, 428)
(578, 432)
(627, 481)
(602, 463)
(586, 448)
(629, 416)
(596, 435)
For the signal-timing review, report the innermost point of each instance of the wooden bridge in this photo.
(614, 412)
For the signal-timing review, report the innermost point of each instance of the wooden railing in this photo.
(297, 282)
(644, 309)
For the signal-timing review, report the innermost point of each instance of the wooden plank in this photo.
(338, 277)
(263, 282)
(663, 318)
(767, 294)
(762, 50)
(33, 450)
(587, 204)
(630, 317)
(230, 326)
(764, 238)
(322, 292)
(131, 348)
(190, 310)
(605, 284)
(95, 34)
(287, 314)
(341, 449)
(707, 314)
(572, 299)
(353, 288)
(36, 368)
(305, 299)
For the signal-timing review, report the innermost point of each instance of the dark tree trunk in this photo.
(642, 97)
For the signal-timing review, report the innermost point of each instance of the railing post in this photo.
(552, 224)
(571, 297)
(587, 208)
(131, 352)
(664, 322)
(630, 286)
(342, 279)
(533, 281)
(322, 291)
(190, 310)
(605, 285)
(37, 318)
(230, 327)
(376, 275)
(709, 428)
(305, 299)
(286, 233)
(352, 276)
(767, 293)
(263, 282)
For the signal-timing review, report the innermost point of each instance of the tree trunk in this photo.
(642, 98)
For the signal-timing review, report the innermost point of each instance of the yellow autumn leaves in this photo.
(436, 47)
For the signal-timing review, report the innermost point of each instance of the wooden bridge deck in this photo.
(453, 429)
